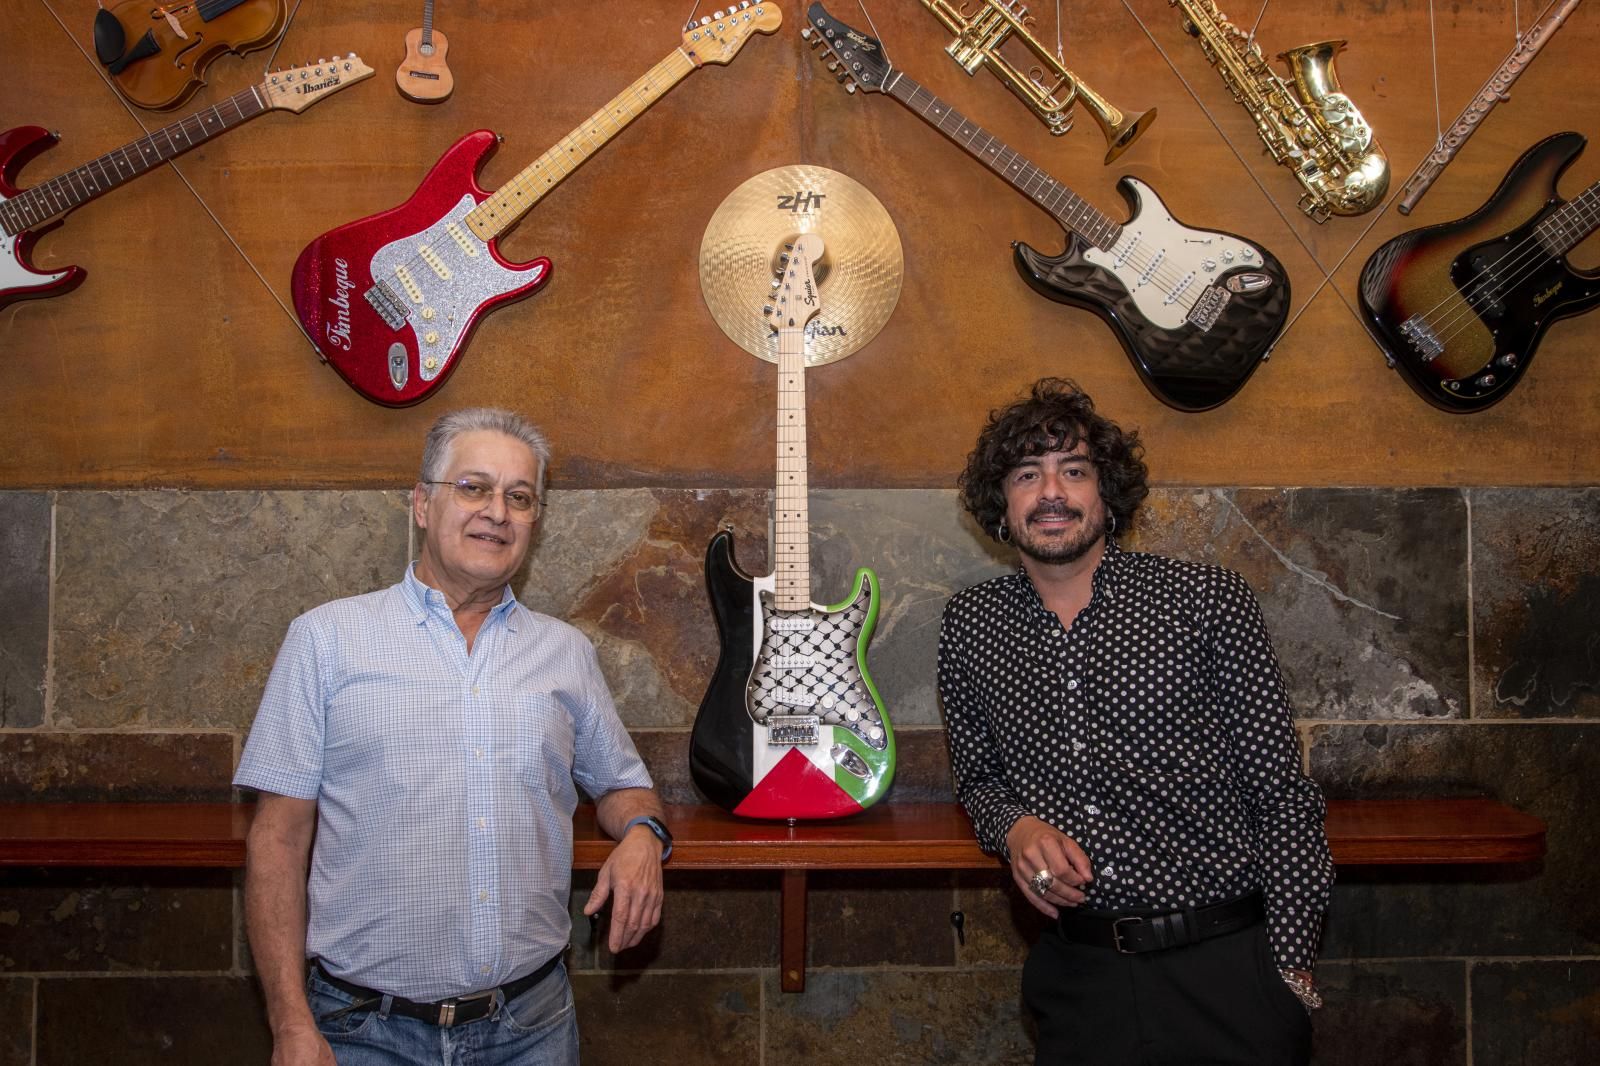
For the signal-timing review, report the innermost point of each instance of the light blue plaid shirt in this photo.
(445, 783)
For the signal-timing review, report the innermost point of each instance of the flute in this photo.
(1493, 91)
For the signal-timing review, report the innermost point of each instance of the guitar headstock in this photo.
(717, 37)
(853, 57)
(796, 299)
(297, 88)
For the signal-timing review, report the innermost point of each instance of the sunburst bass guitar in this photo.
(1196, 310)
(391, 300)
(1459, 308)
(27, 214)
(791, 726)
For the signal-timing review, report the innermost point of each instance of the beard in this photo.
(1066, 547)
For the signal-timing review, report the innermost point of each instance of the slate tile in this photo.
(25, 590)
(1535, 1013)
(16, 1021)
(710, 920)
(1364, 590)
(880, 918)
(899, 1018)
(170, 606)
(1411, 1013)
(135, 1021)
(688, 1019)
(1546, 908)
(1536, 602)
(922, 767)
(1000, 925)
(69, 920)
(80, 767)
(666, 755)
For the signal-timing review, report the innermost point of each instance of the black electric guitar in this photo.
(791, 726)
(1196, 310)
(1459, 308)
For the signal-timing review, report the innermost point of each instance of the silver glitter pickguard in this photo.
(830, 685)
(473, 279)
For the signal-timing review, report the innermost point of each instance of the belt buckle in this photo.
(447, 1007)
(1116, 935)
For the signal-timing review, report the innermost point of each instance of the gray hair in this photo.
(474, 419)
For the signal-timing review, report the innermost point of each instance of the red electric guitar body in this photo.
(391, 319)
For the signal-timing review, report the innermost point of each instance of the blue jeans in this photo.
(538, 1028)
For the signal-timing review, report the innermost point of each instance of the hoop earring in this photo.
(1003, 534)
(1111, 523)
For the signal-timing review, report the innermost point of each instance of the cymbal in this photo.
(858, 276)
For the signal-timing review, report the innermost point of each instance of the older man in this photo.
(431, 738)
(1119, 731)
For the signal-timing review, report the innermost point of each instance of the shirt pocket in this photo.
(543, 741)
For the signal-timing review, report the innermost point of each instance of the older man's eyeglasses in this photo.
(522, 505)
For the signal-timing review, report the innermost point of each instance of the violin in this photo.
(157, 53)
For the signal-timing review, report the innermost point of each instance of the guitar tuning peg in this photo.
(767, 310)
(805, 34)
(831, 64)
(850, 88)
(718, 15)
(320, 61)
(842, 75)
(705, 20)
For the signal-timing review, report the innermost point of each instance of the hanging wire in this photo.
(1516, 20)
(1259, 16)
(284, 36)
(1060, 56)
(692, 9)
(874, 27)
(1433, 48)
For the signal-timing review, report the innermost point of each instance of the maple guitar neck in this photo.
(45, 201)
(516, 197)
(1070, 209)
(792, 532)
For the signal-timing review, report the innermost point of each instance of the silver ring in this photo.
(1042, 881)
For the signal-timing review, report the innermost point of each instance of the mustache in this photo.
(1054, 509)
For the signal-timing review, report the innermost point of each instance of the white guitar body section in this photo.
(1165, 265)
(439, 280)
(13, 274)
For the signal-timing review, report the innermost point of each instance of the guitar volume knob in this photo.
(1508, 360)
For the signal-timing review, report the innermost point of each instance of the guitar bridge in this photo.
(1208, 307)
(792, 729)
(389, 306)
(1422, 337)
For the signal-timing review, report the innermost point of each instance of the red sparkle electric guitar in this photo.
(390, 301)
(26, 214)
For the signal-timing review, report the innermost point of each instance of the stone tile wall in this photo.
(1435, 641)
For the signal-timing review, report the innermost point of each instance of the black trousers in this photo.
(1218, 1001)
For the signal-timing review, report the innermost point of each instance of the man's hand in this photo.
(1035, 845)
(301, 1047)
(631, 877)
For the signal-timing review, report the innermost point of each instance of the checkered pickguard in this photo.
(813, 671)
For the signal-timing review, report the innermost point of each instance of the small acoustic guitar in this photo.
(424, 76)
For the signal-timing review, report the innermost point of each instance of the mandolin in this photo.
(391, 300)
(791, 725)
(1196, 310)
(26, 214)
(424, 75)
(157, 54)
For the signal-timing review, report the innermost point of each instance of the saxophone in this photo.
(1308, 124)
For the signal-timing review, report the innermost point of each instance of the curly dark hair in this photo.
(1055, 416)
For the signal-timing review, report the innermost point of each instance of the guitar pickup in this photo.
(792, 729)
(1208, 308)
(431, 257)
(409, 283)
(799, 623)
(387, 304)
(790, 662)
(794, 699)
(1422, 337)
(468, 249)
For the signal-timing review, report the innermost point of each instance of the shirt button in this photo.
(1090, 809)
(478, 752)
(474, 690)
(1072, 686)
(1109, 871)
(483, 969)
(1078, 745)
(482, 822)
(483, 897)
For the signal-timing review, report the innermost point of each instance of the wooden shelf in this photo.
(930, 836)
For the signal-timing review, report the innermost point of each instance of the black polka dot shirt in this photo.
(1155, 732)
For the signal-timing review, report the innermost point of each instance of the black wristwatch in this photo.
(654, 825)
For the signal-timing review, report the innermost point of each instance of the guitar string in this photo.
(1520, 261)
(1163, 276)
(126, 106)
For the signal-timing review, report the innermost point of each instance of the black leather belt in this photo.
(456, 1010)
(1134, 932)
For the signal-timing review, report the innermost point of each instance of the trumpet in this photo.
(1049, 89)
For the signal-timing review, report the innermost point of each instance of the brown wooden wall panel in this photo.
(176, 363)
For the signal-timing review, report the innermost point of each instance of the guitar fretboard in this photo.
(427, 24)
(792, 533)
(513, 199)
(1571, 222)
(61, 194)
(1067, 206)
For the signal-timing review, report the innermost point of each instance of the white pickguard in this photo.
(13, 275)
(442, 276)
(1165, 265)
